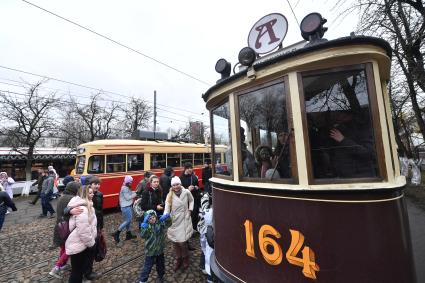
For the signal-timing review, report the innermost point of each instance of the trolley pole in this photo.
(154, 114)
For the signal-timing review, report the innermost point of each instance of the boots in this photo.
(129, 236)
(116, 236)
(186, 262)
(178, 251)
(185, 255)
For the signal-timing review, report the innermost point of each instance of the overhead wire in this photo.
(118, 43)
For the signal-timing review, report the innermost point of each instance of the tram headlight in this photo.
(247, 56)
(312, 27)
(223, 67)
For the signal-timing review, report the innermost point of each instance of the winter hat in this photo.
(72, 188)
(67, 179)
(84, 180)
(150, 213)
(128, 179)
(175, 180)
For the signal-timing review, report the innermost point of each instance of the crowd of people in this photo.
(174, 207)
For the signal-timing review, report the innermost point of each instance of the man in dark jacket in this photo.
(165, 181)
(46, 195)
(5, 202)
(190, 181)
(206, 175)
(39, 183)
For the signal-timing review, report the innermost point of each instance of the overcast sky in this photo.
(188, 35)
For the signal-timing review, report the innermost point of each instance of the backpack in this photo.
(62, 230)
(137, 206)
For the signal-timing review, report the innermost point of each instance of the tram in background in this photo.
(314, 192)
(111, 160)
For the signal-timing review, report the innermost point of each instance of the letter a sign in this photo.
(268, 33)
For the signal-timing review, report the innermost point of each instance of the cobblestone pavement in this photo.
(26, 256)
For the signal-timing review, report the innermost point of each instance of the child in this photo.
(153, 232)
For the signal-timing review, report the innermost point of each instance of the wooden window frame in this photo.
(212, 153)
(292, 147)
(376, 126)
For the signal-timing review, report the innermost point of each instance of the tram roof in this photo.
(124, 143)
(283, 54)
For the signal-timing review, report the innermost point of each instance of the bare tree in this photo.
(29, 117)
(137, 114)
(88, 122)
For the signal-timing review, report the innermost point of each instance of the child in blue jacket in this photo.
(153, 232)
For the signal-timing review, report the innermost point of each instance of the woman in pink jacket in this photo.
(80, 242)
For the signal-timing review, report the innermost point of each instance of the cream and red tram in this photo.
(111, 160)
(314, 191)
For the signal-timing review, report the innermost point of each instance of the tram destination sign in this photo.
(268, 33)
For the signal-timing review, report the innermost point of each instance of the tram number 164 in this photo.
(306, 261)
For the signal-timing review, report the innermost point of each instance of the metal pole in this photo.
(154, 114)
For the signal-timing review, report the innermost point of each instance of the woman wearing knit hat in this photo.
(179, 203)
(126, 204)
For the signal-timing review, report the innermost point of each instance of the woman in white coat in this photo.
(179, 203)
(80, 242)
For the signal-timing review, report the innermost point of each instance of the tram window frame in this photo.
(177, 156)
(78, 161)
(198, 159)
(164, 160)
(292, 147)
(374, 116)
(101, 164)
(140, 157)
(124, 163)
(212, 154)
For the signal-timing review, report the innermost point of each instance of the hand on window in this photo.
(336, 135)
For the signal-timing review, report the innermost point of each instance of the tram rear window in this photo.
(187, 157)
(115, 163)
(207, 158)
(158, 160)
(340, 129)
(265, 138)
(221, 124)
(96, 164)
(197, 159)
(81, 160)
(135, 162)
(173, 159)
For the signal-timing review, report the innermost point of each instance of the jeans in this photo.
(79, 265)
(149, 262)
(127, 215)
(2, 215)
(46, 205)
(63, 257)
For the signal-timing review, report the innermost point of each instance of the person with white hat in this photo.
(179, 203)
(126, 204)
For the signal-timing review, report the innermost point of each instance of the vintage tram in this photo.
(313, 189)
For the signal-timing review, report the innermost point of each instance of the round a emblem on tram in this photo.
(268, 33)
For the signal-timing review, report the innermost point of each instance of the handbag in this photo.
(62, 230)
(100, 247)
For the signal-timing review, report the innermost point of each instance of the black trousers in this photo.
(80, 263)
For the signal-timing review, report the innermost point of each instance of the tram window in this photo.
(158, 160)
(197, 159)
(81, 160)
(339, 122)
(221, 124)
(115, 163)
(135, 162)
(173, 159)
(265, 142)
(207, 158)
(96, 164)
(187, 157)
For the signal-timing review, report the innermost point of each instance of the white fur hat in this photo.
(175, 180)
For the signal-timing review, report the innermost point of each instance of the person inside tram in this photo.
(263, 156)
(281, 157)
(346, 148)
(248, 161)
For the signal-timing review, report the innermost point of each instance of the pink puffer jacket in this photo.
(83, 228)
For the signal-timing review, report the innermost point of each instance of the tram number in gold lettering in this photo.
(306, 261)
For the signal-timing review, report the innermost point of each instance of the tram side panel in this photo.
(294, 238)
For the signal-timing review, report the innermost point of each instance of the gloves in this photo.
(144, 225)
(164, 217)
